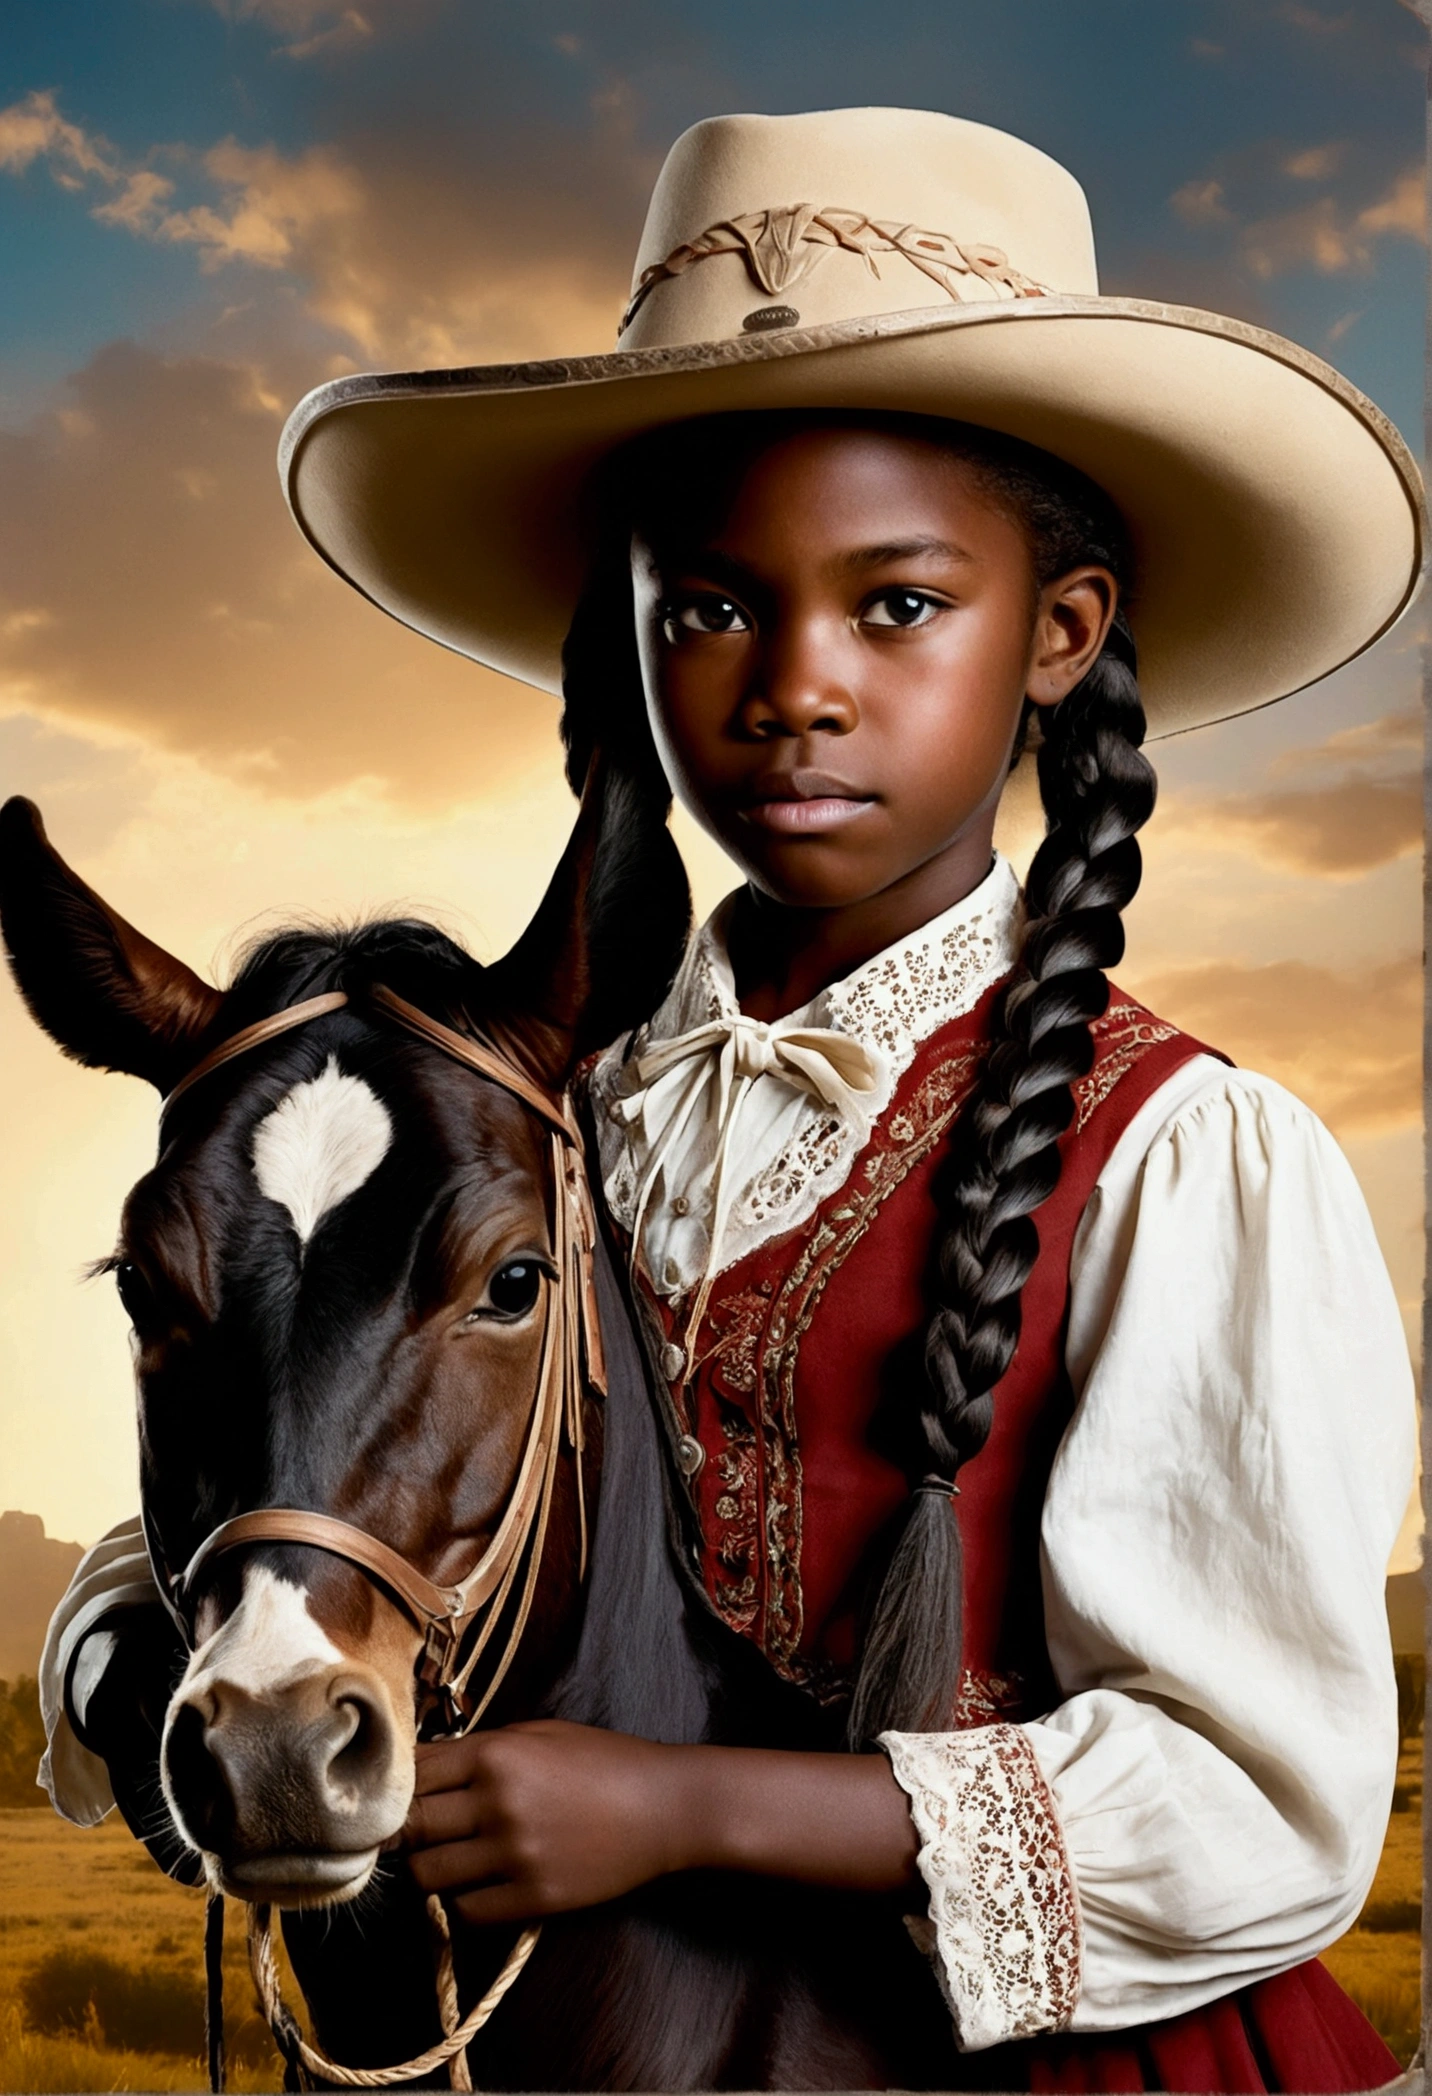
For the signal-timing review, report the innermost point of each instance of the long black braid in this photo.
(1098, 790)
(1004, 1159)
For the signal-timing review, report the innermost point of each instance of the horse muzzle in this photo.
(289, 1779)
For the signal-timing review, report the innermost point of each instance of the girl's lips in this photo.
(800, 818)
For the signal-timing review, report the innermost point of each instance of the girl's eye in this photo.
(901, 607)
(512, 1292)
(701, 615)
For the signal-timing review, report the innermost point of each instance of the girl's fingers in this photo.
(446, 1764)
(444, 1815)
(471, 1864)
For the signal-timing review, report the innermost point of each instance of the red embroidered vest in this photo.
(805, 1340)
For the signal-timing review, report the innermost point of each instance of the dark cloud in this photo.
(150, 579)
(154, 584)
(430, 240)
(316, 28)
(1335, 830)
(1349, 1043)
(1356, 805)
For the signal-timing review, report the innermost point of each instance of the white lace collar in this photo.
(792, 1149)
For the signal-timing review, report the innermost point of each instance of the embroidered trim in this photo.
(782, 245)
(751, 1341)
(1003, 1926)
(1123, 1037)
(986, 1698)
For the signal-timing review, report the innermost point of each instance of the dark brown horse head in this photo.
(333, 1273)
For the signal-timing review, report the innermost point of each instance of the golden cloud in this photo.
(1349, 1043)
(1364, 809)
(398, 259)
(272, 208)
(1333, 831)
(1200, 203)
(139, 202)
(1313, 22)
(33, 129)
(1315, 164)
(311, 26)
(1394, 736)
(1402, 210)
(1332, 239)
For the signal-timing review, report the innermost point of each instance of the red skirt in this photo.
(1296, 2032)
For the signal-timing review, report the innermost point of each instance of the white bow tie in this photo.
(727, 1057)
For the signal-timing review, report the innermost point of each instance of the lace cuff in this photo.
(1003, 1928)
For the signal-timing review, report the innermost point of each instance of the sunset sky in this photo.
(208, 206)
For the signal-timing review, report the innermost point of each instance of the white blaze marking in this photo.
(268, 1643)
(319, 1145)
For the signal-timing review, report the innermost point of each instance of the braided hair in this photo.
(1004, 1160)
(1004, 1157)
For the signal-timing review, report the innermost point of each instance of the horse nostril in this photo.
(196, 1781)
(363, 1750)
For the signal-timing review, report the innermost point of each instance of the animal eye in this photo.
(513, 1290)
(697, 615)
(135, 1293)
(901, 607)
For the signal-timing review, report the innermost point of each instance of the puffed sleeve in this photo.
(114, 1575)
(1206, 1804)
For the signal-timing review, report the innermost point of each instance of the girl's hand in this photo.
(536, 1818)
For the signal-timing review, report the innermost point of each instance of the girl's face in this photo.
(835, 661)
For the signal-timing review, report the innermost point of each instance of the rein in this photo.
(571, 1359)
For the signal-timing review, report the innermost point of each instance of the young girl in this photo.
(1036, 1394)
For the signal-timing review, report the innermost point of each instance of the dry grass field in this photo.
(100, 1959)
(1380, 1961)
(68, 1895)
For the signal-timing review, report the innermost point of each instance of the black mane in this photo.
(407, 955)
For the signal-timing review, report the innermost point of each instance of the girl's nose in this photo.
(797, 687)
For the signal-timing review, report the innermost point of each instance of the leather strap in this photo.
(780, 246)
(424, 1600)
(463, 1048)
(570, 1332)
(254, 1037)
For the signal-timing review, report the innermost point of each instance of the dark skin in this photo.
(835, 666)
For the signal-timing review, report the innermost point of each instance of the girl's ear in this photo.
(1070, 628)
(608, 935)
(110, 997)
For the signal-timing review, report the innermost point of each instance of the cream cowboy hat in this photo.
(889, 259)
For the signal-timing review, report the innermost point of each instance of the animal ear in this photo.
(608, 935)
(110, 997)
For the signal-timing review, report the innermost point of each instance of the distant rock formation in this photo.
(35, 1569)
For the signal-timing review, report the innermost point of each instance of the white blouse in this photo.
(1205, 1805)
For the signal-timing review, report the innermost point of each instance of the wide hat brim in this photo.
(1276, 514)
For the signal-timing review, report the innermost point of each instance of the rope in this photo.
(448, 2009)
(451, 2048)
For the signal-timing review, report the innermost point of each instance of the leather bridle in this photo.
(571, 1360)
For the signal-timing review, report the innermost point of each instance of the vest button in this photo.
(673, 1361)
(690, 1455)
